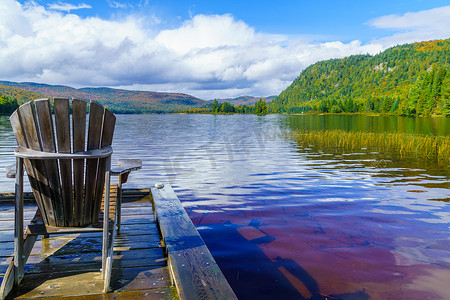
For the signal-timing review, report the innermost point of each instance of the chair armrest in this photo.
(125, 167)
(34, 154)
(10, 171)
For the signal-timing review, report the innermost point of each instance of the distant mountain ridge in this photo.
(245, 100)
(118, 100)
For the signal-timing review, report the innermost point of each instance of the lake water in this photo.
(286, 222)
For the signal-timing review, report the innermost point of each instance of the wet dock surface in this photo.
(69, 265)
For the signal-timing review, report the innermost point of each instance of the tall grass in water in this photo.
(402, 144)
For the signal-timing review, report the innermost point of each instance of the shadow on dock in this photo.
(70, 264)
(66, 265)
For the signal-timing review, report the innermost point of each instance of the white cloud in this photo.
(415, 26)
(207, 32)
(435, 18)
(208, 56)
(67, 6)
(115, 4)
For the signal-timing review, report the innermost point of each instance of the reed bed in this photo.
(421, 146)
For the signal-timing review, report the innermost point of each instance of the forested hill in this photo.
(245, 100)
(411, 80)
(115, 99)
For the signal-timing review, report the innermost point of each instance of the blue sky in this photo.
(208, 49)
(321, 20)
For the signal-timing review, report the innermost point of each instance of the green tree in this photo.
(395, 105)
(261, 108)
(386, 105)
(215, 106)
(227, 107)
(445, 96)
(7, 105)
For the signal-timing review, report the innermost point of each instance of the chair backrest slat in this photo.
(65, 198)
(79, 145)
(31, 134)
(109, 121)
(29, 126)
(93, 142)
(62, 122)
(46, 131)
(45, 122)
(21, 141)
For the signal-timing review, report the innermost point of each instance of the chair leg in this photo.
(108, 236)
(18, 224)
(105, 230)
(109, 260)
(22, 245)
(119, 204)
(15, 271)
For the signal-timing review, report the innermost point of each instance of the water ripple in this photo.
(281, 219)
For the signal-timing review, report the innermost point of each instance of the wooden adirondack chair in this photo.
(68, 174)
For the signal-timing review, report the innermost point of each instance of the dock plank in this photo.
(152, 294)
(158, 255)
(195, 272)
(69, 264)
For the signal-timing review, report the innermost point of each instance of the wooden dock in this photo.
(158, 255)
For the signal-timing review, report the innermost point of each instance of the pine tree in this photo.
(215, 106)
(261, 108)
(445, 96)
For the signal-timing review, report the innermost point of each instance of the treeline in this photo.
(407, 80)
(7, 105)
(260, 108)
(20, 95)
(121, 101)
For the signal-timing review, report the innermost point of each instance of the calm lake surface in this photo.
(286, 222)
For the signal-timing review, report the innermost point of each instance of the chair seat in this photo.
(37, 226)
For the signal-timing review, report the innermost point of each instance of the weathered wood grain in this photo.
(62, 261)
(126, 166)
(62, 122)
(109, 122)
(46, 130)
(14, 273)
(90, 242)
(91, 283)
(109, 233)
(146, 294)
(139, 260)
(32, 136)
(19, 256)
(21, 141)
(195, 272)
(79, 145)
(40, 155)
(93, 142)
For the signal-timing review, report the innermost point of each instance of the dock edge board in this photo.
(194, 271)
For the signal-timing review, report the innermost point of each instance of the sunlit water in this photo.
(286, 222)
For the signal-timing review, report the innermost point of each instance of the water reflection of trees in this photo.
(428, 126)
(390, 167)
